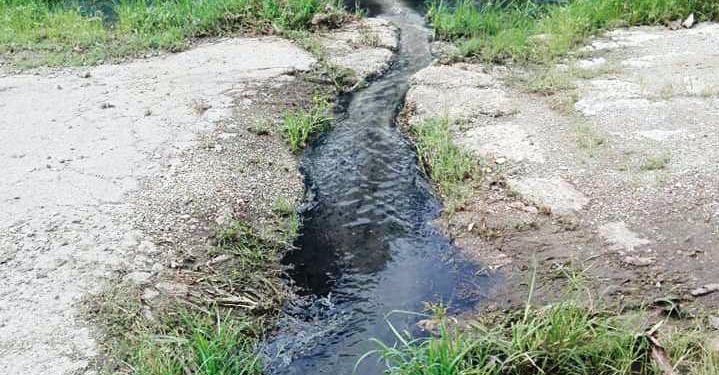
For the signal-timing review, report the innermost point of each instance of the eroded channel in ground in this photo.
(368, 247)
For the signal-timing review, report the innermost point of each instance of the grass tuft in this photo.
(197, 343)
(548, 82)
(447, 164)
(240, 239)
(299, 124)
(286, 211)
(587, 137)
(566, 338)
(655, 162)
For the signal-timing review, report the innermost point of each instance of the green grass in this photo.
(286, 211)
(232, 294)
(692, 353)
(299, 124)
(203, 341)
(548, 82)
(37, 32)
(446, 164)
(524, 30)
(655, 162)
(571, 337)
(588, 138)
(240, 239)
(567, 338)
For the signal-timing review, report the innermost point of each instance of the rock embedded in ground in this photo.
(611, 96)
(139, 278)
(560, 196)
(704, 290)
(689, 22)
(631, 37)
(621, 237)
(638, 261)
(591, 63)
(714, 322)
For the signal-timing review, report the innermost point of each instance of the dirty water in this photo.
(367, 248)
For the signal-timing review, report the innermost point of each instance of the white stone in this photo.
(560, 196)
(591, 63)
(618, 234)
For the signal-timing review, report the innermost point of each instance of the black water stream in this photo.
(367, 247)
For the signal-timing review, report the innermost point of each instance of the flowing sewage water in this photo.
(367, 247)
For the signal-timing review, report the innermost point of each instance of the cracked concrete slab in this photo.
(503, 140)
(456, 92)
(365, 47)
(624, 38)
(74, 146)
(458, 75)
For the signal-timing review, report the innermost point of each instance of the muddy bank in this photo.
(124, 170)
(603, 165)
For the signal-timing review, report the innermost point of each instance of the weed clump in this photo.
(588, 138)
(175, 341)
(655, 162)
(299, 124)
(571, 337)
(561, 339)
(447, 164)
(285, 210)
(567, 338)
(212, 328)
(197, 343)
